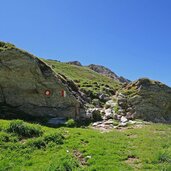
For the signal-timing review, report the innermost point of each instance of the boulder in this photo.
(28, 86)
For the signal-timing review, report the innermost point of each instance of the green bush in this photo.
(70, 123)
(24, 129)
(116, 108)
(37, 142)
(4, 137)
(96, 115)
(42, 142)
(56, 138)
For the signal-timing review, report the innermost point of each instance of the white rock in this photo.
(109, 122)
(111, 103)
(132, 122)
(124, 119)
(122, 124)
(108, 113)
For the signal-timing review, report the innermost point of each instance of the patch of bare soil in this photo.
(79, 156)
(134, 162)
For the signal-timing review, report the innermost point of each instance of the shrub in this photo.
(70, 123)
(24, 129)
(57, 138)
(96, 115)
(38, 143)
(164, 157)
(116, 108)
(42, 142)
(4, 137)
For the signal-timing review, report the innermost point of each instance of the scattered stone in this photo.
(124, 119)
(109, 122)
(122, 124)
(132, 122)
(108, 113)
(111, 103)
(96, 123)
(130, 115)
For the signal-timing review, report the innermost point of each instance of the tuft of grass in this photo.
(70, 123)
(5, 46)
(24, 129)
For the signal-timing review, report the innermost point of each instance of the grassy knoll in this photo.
(65, 149)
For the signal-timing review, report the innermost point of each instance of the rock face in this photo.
(30, 87)
(150, 100)
(107, 72)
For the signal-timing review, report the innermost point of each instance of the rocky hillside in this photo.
(106, 97)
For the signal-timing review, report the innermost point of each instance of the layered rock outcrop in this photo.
(107, 72)
(28, 86)
(148, 100)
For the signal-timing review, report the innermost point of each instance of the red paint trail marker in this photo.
(47, 92)
(63, 93)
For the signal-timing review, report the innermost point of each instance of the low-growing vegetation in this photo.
(70, 123)
(79, 149)
(24, 129)
(5, 46)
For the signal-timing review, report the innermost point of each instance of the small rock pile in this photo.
(115, 113)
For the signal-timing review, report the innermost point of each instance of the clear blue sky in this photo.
(131, 37)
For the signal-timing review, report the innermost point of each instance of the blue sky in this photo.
(131, 37)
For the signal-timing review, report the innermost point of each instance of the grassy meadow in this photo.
(25, 146)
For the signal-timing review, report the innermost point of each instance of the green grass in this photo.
(79, 73)
(63, 149)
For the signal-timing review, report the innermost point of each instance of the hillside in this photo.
(95, 122)
(89, 82)
(48, 89)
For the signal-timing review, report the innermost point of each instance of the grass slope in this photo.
(85, 78)
(65, 149)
